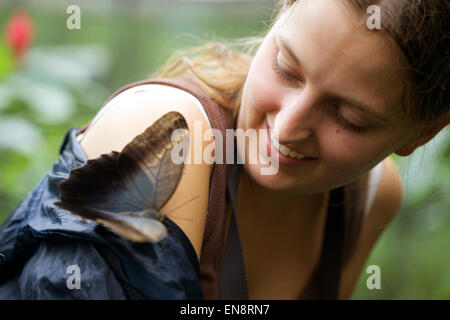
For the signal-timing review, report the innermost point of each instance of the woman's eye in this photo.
(281, 73)
(346, 123)
(291, 78)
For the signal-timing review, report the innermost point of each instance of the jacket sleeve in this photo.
(64, 270)
(58, 267)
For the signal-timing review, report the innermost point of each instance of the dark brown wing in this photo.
(125, 190)
(147, 164)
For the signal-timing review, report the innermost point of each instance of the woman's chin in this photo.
(276, 182)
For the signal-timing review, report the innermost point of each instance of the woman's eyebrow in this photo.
(281, 43)
(360, 106)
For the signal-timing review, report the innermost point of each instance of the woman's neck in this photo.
(269, 204)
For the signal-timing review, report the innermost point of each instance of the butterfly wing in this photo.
(147, 164)
(123, 191)
(125, 223)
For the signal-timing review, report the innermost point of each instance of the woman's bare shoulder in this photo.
(132, 111)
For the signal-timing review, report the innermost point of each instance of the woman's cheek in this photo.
(339, 148)
(266, 102)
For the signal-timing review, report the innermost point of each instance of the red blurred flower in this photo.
(19, 33)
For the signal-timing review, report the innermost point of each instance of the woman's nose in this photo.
(297, 117)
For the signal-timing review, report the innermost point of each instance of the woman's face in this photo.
(327, 106)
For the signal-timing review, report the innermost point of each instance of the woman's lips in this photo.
(282, 159)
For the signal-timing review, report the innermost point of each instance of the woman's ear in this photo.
(426, 136)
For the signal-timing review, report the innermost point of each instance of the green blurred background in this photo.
(66, 75)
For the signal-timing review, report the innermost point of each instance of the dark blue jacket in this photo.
(39, 243)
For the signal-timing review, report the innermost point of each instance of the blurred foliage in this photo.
(56, 89)
(6, 60)
(68, 74)
(413, 252)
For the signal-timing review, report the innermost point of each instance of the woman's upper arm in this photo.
(387, 202)
(129, 114)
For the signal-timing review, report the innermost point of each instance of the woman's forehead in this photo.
(335, 28)
(340, 54)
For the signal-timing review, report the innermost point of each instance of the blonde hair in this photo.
(220, 68)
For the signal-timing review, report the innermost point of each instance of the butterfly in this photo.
(125, 191)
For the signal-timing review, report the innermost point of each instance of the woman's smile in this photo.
(283, 154)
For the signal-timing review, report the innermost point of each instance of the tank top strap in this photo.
(324, 282)
(355, 203)
(233, 277)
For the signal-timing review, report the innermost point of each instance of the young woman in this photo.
(342, 98)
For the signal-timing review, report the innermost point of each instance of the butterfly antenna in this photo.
(180, 205)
